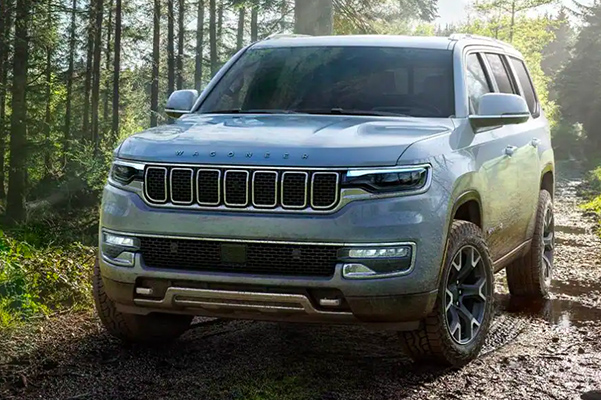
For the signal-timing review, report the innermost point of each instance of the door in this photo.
(505, 159)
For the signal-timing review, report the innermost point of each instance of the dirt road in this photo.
(552, 351)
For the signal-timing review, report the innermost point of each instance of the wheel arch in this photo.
(468, 207)
(547, 179)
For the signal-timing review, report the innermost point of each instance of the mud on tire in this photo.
(433, 341)
(152, 328)
(527, 275)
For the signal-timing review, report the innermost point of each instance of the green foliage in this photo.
(579, 86)
(41, 278)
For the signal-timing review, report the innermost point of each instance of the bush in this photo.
(43, 279)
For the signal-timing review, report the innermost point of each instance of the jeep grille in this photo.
(249, 258)
(242, 188)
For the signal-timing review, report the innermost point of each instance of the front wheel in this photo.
(455, 331)
(132, 328)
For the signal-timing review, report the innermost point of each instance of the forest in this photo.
(79, 76)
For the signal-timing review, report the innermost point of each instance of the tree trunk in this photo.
(213, 36)
(511, 27)
(254, 24)
(199, 45)
(5, 25)
(240, 36)
(180, 45)
(107, 67)
(116, 73)
(88, 80)
(15, 206)
(72, 42)
(170, 48)
(156, 54)
(220, 25)
(313, 17)
(96, 74)
(48, 95)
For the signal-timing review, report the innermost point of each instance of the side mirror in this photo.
(498, 109)
(180, 103)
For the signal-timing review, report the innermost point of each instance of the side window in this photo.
(477, 82)
(529, 93)
(499, 71)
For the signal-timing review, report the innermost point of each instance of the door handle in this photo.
(510, 150)
(535, 142)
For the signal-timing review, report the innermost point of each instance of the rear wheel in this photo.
(152, 328)
(531, 275)
(455, 331)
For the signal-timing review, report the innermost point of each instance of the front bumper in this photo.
(402, 299)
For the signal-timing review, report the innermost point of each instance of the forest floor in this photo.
(549, 350)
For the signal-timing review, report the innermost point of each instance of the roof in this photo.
(423, 42)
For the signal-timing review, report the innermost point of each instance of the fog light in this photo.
(119, 241)
(385, 252)
(357, 271)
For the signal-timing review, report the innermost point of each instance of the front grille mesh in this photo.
(249, 258)
(242, 188)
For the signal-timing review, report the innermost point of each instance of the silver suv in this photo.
(373, 180)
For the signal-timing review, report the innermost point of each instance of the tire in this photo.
(530, 276)
(438, 339)
(132, 328)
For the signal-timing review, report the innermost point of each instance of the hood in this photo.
(282, 140)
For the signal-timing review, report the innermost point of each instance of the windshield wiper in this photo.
(251, 111)
(344, 111)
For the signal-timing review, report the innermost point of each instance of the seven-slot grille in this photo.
(254, 258)
(242, 188)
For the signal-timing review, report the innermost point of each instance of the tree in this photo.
(240, 33)
(117, 71)
(108, 63)
(48, 94)
(180, 45)
(511, 8)
(199, 44)
(156, 54)
(170, 48)
(579, 86)
(213, 36)
(314, 17)
(96, 73)
(89, 58)
(15, 205)
(5, 27)
(557, 53)
(68, 110)
(254, 24)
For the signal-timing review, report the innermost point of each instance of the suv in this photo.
(372, 180)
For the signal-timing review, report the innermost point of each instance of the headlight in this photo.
(125, 173)
(388, 180)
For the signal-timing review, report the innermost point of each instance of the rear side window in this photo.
(528, 89)
(477, 82)
(499, 71)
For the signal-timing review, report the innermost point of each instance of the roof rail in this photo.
(459, 36)
(284, 36)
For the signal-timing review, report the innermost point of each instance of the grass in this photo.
(42, 272)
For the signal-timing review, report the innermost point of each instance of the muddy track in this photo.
(546, 350)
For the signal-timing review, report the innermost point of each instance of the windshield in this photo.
(337, 80)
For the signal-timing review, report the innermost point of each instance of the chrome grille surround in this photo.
(147, 187)
(225, 183)
(171, 185)
(284, 192)
(217, 191)
(336, 193)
